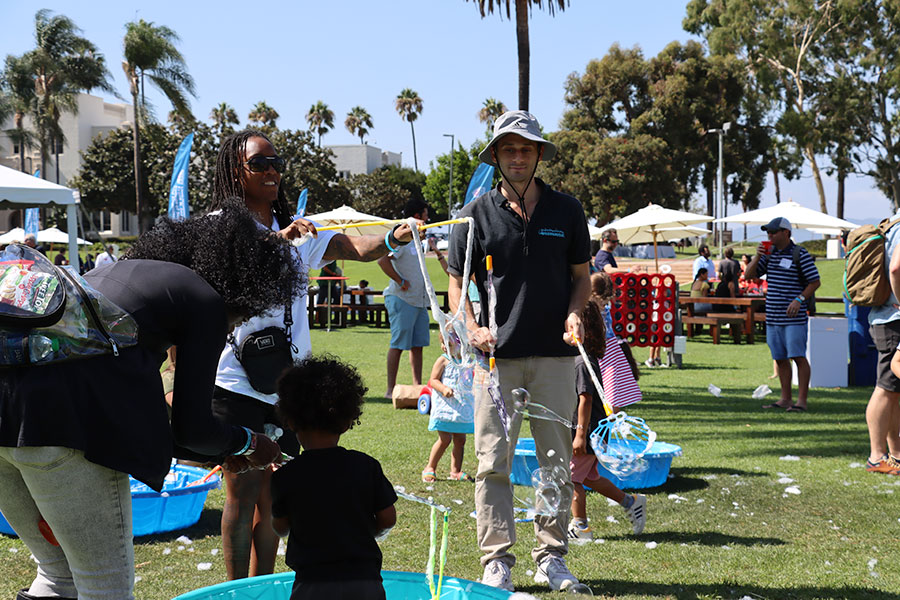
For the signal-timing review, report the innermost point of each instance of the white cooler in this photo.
(827, 349)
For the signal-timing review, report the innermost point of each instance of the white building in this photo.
(361, 159)
(95, 117)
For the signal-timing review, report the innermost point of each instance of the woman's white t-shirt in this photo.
(230, 374)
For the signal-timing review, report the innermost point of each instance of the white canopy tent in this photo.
(52, 235)
(799, 216)
(21, 190)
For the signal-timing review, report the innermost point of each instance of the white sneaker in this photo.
(552, 570)
(580, 530)
(637, 513)
(649, 363)
(496, 574)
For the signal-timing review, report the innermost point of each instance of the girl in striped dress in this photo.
(618, 373)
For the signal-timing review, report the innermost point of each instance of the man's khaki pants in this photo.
(551, 382)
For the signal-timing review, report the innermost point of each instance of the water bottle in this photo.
(41, 348)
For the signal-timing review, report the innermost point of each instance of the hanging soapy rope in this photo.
(432, 547)
(454, 332)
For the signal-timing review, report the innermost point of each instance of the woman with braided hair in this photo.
(249, 167)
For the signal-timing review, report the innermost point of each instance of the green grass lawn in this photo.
(722, 527)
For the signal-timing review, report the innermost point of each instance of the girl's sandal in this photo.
(461, 476)
(428, 476)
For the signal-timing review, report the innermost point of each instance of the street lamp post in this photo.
(450, 200)
(720, 176)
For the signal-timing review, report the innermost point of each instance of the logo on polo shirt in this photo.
(552, 232)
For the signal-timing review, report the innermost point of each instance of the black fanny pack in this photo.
(266, 354)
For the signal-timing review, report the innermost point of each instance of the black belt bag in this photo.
(266, 354)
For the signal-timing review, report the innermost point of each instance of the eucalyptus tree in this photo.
(150, 54)
(358, 122)
(409, 106)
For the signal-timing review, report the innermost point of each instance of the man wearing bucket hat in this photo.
(539, 242)
(792, 280)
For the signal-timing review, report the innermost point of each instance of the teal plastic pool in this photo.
(398, 585)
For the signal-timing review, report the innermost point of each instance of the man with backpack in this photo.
(792, 280)
(883, 409)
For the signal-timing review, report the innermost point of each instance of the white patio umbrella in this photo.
(52, 235)
(13, 235)
(655, 221)
(799, 216)
(346, 215)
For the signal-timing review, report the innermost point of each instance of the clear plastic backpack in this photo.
(50, 313)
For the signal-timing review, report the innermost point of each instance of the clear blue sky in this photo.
(360, 52)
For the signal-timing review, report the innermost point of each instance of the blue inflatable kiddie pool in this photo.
(398, 585)
(659, 460)
(178, 506)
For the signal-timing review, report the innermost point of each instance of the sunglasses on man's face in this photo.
(260, 164)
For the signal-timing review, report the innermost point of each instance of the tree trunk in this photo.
(56, 143)
(138, 175)
(841, 177)
(524, 51)
(777, 185)
(890, 157)
(710, 201)
(817, 177)
(415, 160)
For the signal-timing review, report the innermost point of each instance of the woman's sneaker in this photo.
(496, 574)
(637, 513)
(580, 530)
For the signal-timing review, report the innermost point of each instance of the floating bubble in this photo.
(524, 406)
(579, 589)
(620, 443)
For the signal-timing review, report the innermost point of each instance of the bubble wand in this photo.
(432, 547)
(299, 241)
(619, 441)
(494, 381)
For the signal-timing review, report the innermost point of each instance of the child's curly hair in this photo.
(594, 328)
(321, 393)
(602, 287)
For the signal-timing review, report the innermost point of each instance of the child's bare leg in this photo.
(456, 456)
(579, 503)
(437, 450)
(605, 487)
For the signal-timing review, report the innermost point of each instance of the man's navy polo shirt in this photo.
(532, 269)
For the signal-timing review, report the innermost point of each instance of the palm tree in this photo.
(358, 122)
(409, 105)
(489, 113)
(263, 115)
(62, 65)
(150, 53)
(524, 51)
(320, 119)
(223, 117)
(18, 86)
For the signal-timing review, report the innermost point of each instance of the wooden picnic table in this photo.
(748, 304)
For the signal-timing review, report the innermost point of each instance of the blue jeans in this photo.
(87, 506)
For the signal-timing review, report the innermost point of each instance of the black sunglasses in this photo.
(260, 164)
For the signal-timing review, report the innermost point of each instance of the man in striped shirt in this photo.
(792, 279)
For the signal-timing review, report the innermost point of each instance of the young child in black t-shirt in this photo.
(334, 502)
(588, 415)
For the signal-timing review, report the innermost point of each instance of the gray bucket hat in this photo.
(521, 123)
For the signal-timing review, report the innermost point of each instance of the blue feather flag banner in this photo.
(33, 215)
(32, 221)
(480, 183)
(178, 190)
(301, 203)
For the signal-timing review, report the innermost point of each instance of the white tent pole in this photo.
(72, 220)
